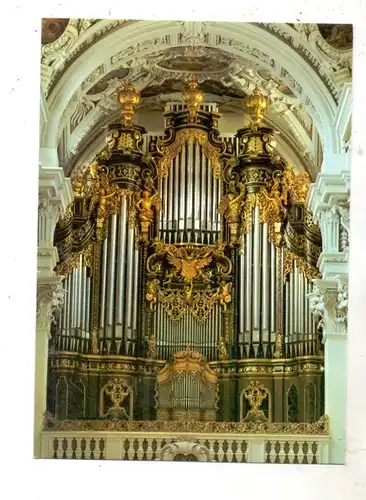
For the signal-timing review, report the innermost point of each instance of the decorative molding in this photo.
(329, 304)
(344, 113)
(50, 300)
(187, 424)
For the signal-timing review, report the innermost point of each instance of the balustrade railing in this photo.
(256, 448)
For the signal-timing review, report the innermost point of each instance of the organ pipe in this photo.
(248, 308)
(111, 277)
(265, 276)
(256, 276)
(87, 315)
(129, 284)
(103, 287)
(120, 282)
(273, 289)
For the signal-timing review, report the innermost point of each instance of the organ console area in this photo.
(187, 259)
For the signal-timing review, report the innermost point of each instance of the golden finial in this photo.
(128, 98)
(255, 105)
(193, 96)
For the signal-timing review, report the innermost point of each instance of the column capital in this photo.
(329, 304)
(50, 299)
(55, 187)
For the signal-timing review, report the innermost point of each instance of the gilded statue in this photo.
(222, 347)
(151, 346)
(78, 185)
(275, 209)
(188, 294)
(278, 346)
(152, 288)
(145, 206)
(230, 206)
(95, 342)
(225, 294)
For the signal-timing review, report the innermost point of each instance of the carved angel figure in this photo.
(188, 294)
(230, 206)
(274, 197)
(225, 294)
(151, 345)
(223, 354)
(152, 288)
(145, 206)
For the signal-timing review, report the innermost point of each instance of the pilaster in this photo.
(55, 194)
(50, 299)
(328, 201)
(329, 303)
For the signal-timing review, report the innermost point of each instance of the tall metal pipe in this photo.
(103, 286)
(111, 277)
(288, 309)
(248, 308)
(64, 309)
(256, 276)
(265, 284)
(296, 301)
(87, 308)
(273, 289)
(291, 301)
(135, 291)
(74, 300)
(83, 303)
(182, 189)
(120, 278)
(129, 284)
(242, 294)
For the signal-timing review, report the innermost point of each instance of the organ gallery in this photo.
(188, 260)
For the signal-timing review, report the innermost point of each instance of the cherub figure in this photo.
(151, 346)
(222, 347)
(145, 206)
(152, 288)
(225, 294)
(230, 205)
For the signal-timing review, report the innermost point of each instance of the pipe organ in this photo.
(188, 255)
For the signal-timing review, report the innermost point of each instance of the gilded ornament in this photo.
(188, 136)
(128, 98)
(256, 105)
(222, 348)
(225, 294)
(188, 424)
(193, 97)
(152, 288)
(255, 394)
(145, 211)
(150, 342)
(117, 390)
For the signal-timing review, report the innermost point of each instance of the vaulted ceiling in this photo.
(85, 61)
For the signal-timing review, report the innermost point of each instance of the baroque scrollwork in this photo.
(188, 136)
(188, 424)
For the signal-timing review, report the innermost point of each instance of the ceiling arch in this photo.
(140, 40)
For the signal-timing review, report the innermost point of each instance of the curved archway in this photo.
(245, 39)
